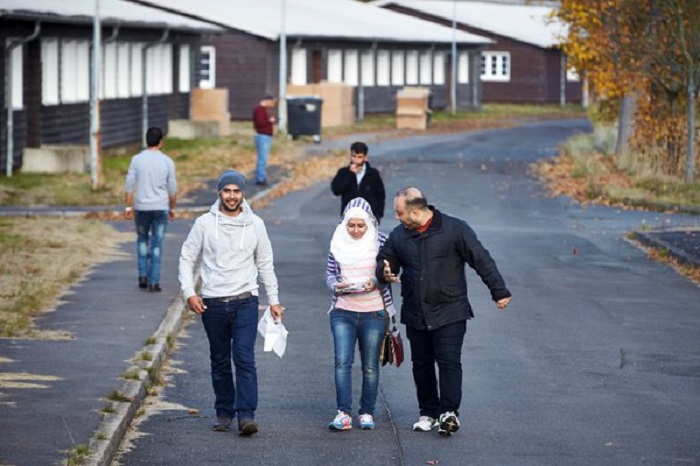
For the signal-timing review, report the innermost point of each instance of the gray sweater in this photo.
(152, 174)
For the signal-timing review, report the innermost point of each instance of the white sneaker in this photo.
(341, 422)
(449, 424)
(366, 422)
(425, 424)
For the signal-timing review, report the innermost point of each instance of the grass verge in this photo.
(39, 259)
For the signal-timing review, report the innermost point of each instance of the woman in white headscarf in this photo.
(358, 311)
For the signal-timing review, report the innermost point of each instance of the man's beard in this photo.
(228, 209)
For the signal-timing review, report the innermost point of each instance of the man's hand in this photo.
(196, 304)
(388, 276)
(277, 312)
(171, 214)
(128, 213)
(354, 168)
(502, 303)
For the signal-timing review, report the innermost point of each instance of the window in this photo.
(75, 71)
(335, 66)
(412, 67)
(184, 69)
(463, 68)
(367, 68)
(426, 67)
(383, 68)
(298, 66)
(17, 60)
(49, 72)
(109, 63)
(495, 66)
(351, 68)
(397, 68)
(123, 69)
(439, 68)
(136, 74)
(207, 67)
(572, 75)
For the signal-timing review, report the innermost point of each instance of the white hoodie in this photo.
(234, 250)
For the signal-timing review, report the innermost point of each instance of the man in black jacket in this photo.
(430, 248)
(359, 179)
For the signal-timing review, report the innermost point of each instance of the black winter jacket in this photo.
(433, 281)
(371, 189)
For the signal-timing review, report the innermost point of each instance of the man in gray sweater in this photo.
(152, 175)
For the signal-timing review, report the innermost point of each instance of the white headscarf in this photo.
(348, 250)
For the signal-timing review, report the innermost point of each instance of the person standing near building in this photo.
(235, 250)
(359, 179)
(430, 249)
(152, 175)
(264, 126)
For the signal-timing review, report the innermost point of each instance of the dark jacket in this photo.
(371, 189)
(433, 281)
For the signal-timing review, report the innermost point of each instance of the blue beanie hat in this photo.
(230, 177)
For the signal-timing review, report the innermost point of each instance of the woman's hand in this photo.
(370, 285)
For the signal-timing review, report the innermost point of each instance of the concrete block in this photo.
(188, 129)
(56, 159)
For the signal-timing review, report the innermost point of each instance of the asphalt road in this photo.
(596, 361)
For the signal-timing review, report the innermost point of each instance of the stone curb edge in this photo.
(113, 427)
(650, 241)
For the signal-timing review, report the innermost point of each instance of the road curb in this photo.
(647, 239)
(108, 437)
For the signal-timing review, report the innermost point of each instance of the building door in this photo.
(316, 66)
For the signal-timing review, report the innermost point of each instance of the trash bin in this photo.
(304, 117)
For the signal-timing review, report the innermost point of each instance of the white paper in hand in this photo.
(275, 334)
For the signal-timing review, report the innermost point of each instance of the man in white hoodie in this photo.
(235, 250)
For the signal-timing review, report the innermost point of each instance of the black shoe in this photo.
(154, 288)
(261, 183)
(247, 427)
(223, 424)
(143, 282)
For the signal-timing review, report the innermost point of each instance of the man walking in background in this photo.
(430, 248)
(152, 175)
(263, 124)
(359, 179)
(235, 249)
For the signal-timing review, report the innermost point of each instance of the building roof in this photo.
(525, 23)
(111, 12)
(324, 19)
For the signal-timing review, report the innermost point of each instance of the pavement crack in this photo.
(401, 459)
(622, 358)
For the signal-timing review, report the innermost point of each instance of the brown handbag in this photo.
(391, 349)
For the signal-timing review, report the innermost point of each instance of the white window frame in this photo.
(109, 71)
(439, 61)
(351, 68)
(367, 67)
(412, 67)
(397, 68)
(136, 74)
(50, 82)
(299, 67)
(426, 67)
(383, 68)
(123, 69)
(75, 71)
(335, 66)
(207, 59)
(495, 66)
(17, 59)
(463, 68)
(184, 69)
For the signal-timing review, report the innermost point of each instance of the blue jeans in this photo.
(263, 143)
(367, 328)
(150, 224)
(231, 329)
(444, 346)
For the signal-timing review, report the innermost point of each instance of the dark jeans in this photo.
(444, 346)
(231, 329)
(150, 232)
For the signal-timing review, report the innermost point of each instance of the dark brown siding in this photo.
(533, 79)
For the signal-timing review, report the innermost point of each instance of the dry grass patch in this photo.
(39, 259)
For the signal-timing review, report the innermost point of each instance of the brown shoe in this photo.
(247, 427)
